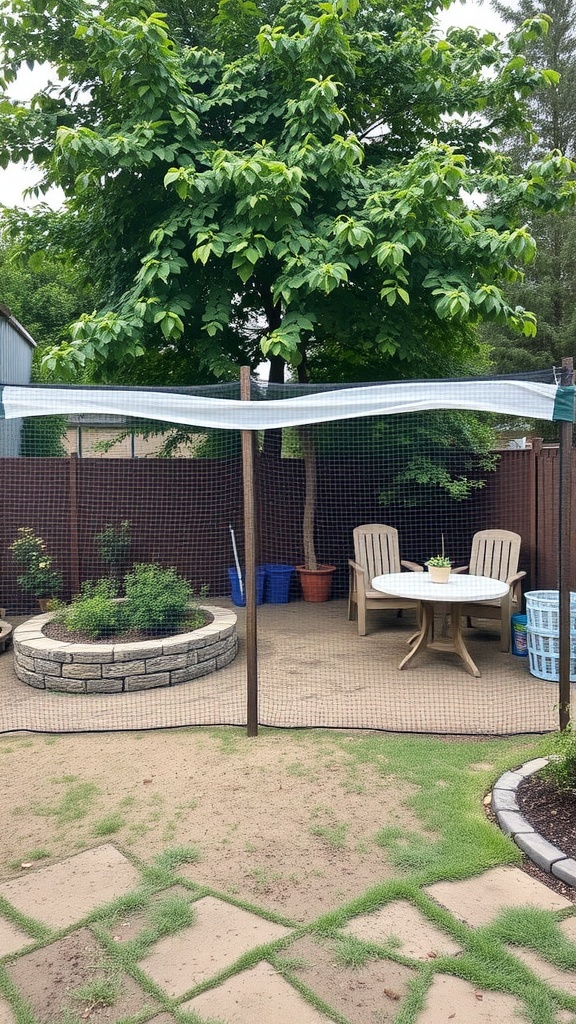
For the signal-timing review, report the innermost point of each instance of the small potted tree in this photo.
(439, 567)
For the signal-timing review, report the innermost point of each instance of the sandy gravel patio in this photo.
(315, 671)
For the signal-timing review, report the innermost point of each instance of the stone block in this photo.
(225, 633)
(75, 671)
(565, 870)
(51, 668)
(510, 780)
(124, 668)
(185, 675)
(93, 653)
(147, 682)
(104, 685)
(512, 822)
(213, 650)
(30, 678)
(128, 652)
(503, 800)
(176, 644)
(66, 685)
(32, 650)
(227, 657)
(27, 663)
(166, 663)
(539, 850)
(532, 766)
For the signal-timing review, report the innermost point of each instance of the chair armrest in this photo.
(461, 568)
(514, 579)
(356, 567)
(413, 566)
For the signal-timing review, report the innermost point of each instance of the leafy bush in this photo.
(156, 598)
(39, 577)
(94, 610)
(114, 545)
(561, 769)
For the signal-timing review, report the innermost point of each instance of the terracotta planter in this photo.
(316, 583)
(44, 603)
(439, 573)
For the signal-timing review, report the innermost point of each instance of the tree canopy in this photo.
(549, 284)
(297, 181)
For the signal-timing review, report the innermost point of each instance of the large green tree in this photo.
(298, 183)
(549, 284)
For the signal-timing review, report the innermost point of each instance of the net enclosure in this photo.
(238, 491)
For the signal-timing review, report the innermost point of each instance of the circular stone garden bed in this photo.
(123, 667)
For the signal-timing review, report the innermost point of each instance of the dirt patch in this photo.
(74, 979)
(285, 824)
(367, 994)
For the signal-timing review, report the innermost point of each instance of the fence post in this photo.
(564, 531)
(249, 565)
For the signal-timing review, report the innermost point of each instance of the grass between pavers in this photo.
(457, 841)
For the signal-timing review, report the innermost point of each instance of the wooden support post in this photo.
(564, 532)
(248, 477)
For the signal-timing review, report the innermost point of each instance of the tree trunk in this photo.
(307, 439)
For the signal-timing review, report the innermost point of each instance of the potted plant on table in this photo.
(439, 567)
(38, 575)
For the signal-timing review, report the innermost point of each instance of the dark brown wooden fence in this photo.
(181, 510)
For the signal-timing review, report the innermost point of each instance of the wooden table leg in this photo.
(421, 639)
(455, 644)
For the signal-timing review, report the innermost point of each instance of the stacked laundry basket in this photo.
(544, 634)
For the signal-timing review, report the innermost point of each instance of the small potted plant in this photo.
(38, 575)
(439, 567)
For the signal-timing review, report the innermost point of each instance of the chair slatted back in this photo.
(376, 549)
(495, 553)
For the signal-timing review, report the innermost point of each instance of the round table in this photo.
(461, 588)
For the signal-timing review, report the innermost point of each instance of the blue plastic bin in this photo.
(277, 586)
(238, 596)
(520, 636)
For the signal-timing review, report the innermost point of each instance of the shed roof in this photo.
(6, 314)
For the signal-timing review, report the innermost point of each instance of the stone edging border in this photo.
(512, 822)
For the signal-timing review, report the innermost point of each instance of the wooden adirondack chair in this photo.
(495, 553)
(376, 552)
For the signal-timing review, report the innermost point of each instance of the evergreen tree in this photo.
(549, 285)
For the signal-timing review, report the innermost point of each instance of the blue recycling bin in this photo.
(519, 636)
(277, 585)
(239, 596)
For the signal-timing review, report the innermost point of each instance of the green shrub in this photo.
(114, 545)
(39, 577)
(561, 769)
(94, 610)
(156, 598)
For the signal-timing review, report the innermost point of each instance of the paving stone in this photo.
(7, 1016)
(219, 935)
(417, 936)
(532, 766)
(477, 901)
(568, 927)
(259, 994)
(543, 853)
(63, 893)
(145, 649)
(458, 1002)
(11, 938)
(564, 980)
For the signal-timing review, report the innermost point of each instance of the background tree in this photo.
(303, 190)
(549, 285)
